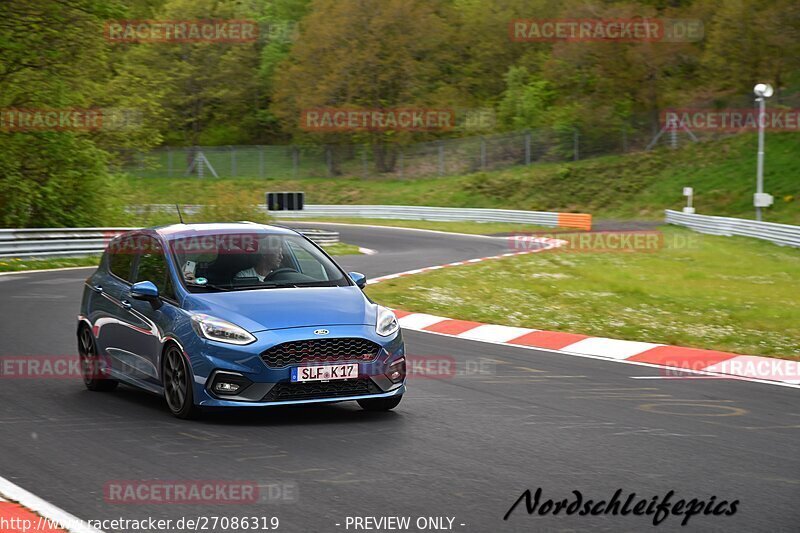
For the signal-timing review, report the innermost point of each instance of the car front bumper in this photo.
(273, 387)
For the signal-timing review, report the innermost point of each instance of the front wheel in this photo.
(178, 384)
(380, 404)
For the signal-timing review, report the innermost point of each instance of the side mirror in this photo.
(359, 278)
(144, 290)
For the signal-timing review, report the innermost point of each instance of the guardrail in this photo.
(408, 212)
(63, 242)
(782, 234)
(444, 214)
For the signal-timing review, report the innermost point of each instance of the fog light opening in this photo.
(228, 383)
(226, 388)
(397, 370)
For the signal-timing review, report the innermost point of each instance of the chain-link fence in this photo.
(432, 158)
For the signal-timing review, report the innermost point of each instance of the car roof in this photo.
(176, 231)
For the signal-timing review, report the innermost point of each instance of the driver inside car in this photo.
(270, 256)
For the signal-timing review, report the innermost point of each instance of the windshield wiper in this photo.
(265, 286)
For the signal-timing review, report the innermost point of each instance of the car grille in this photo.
(313, 390)
(320, 351)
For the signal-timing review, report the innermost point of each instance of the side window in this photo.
(153, 267)
(121, 254)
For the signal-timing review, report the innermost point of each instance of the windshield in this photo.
(225, 262)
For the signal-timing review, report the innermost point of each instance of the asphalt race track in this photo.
(463, 446)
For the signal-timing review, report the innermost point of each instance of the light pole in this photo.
(760, 199)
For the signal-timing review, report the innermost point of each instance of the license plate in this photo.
(324, 373)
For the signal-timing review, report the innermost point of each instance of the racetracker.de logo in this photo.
(208, 492)
(397, 119)
(219, 244)
(68, 119)
(41, 119)
(625, 30)
(181, 31)
(45, 367)
(642, 241)
(730, 120)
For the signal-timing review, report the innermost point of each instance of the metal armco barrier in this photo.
(444, 214)
(782, 234)
(408, 212)
(61, 242)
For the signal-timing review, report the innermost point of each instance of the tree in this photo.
(364, 54)
(53, 57)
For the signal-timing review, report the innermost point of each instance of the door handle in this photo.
(98, 289)
(126, 304)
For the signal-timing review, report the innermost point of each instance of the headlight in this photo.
(387, 322)
(216, 329)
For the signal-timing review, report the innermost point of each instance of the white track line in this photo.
(58, 516)
(610, 360)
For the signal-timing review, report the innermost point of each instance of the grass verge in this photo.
(638, 185)
(342, 248)
(17, 264)
(732, 294)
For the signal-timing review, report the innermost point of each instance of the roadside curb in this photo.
(676, 360)
(25, 512)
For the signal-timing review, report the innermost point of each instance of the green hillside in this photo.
(634, 186)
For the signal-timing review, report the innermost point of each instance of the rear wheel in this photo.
(380, 404)
(178, 384)
(90, 363)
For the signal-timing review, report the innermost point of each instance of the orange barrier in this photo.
(575, 220)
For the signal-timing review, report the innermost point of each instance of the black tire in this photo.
(90, 363)
(178, 384)
(380, 404)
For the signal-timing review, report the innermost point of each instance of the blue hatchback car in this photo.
(236, 315)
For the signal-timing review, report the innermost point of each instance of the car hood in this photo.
(265, 309)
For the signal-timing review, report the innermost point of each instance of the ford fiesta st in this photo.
(236, 315)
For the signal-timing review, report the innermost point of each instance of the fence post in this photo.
(261, 161)
(483, 153)
(401, 162)
(364, 162)
(233, 161)
(329, 160)
(295, 160)
(527, 147)
(441, 158)
(576, 145)
(624, 139)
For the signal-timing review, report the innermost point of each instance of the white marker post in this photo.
(688, 192)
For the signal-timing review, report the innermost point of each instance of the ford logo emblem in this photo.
(321, 332)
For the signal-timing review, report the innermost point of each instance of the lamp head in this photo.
(763, 90)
